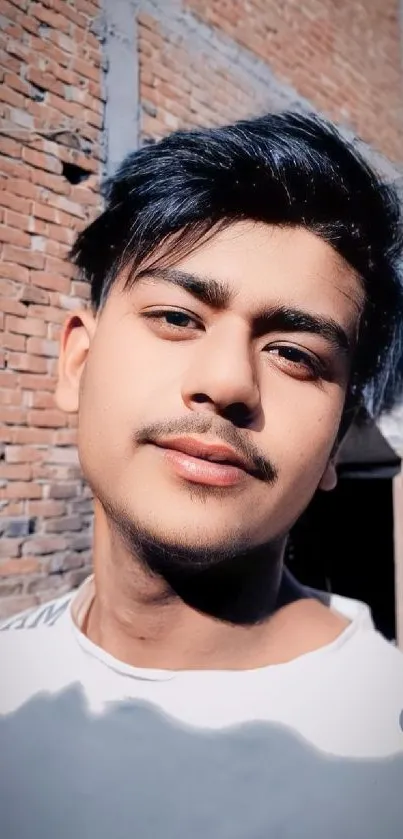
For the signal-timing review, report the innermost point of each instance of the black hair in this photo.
(286, 169)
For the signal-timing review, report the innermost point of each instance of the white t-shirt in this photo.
(92, 748)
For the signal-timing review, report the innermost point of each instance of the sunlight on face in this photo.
(244, 347)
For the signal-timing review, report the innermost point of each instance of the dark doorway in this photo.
(344, 542)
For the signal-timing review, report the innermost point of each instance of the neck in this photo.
(217, 618)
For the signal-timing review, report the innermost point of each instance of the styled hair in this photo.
(282, 169)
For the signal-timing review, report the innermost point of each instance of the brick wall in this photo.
(51, 112)
(342, 55)
(194, 62)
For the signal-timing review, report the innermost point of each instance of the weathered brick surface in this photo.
(199, 63)
(51, 108)
(344, 56)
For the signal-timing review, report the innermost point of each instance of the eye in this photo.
(172, 322)
(296, 361)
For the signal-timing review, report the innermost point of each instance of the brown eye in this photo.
(172, 322)
(178, 319)
(297, 361)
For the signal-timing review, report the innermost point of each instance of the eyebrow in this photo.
(214, 293)
(218, 295)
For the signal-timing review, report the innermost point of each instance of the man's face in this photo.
(240, 353)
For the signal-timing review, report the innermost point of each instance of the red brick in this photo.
(55, 331)
(26, 22)
(23, 257)
(12, 342)
(14, 65)
(51, 281)
(44, 211)
(38, 399)
(34, 436)
(10, 547)
(22, 187)
(66, 455)
(53, 19)
(15, 81)
(38, 226)
(26, 363)
(83, 68)
(50, 50)
(63, 490)
(69, 12)
(11, 271)
(81, 289)
(12, 307)
(16, 220)
(53, 248)
(60, 202)
(10, 147)
(55, 183)
(44, 544)
(11, 415)
(18, 472)
(60, 266)
(23, 454)
(95, 89)
(64, 106)
(46, 509)
(26, 326)
(49, 349)
(32, 294)
(13, 605)
(23, 565)
(41, 161)
(62, 74)
(10, 396)
(6, 432)
(17, 48)
(21, 490)
(64, 524)
(32, 381)
(87, 8)
(82, 195)
(15, 202)
(14, 237)
(46, 419)
(61, 234)
(9, 379)
(85, 99)
(66, 437)
(7, 94)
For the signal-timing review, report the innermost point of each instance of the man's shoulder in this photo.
(46, 615)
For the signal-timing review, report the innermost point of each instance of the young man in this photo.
(245, 303)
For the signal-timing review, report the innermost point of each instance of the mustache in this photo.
(259, 465)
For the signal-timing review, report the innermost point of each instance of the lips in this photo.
(214, 453)
(204, 463)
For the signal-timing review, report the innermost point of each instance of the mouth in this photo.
(204, 463)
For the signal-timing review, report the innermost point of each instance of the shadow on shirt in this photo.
(134, 773)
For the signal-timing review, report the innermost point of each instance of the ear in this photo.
(75, 342)
(328, 480)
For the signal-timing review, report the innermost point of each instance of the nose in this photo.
(222, 377)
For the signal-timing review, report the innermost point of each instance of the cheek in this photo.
(304, 419)
(130, 378)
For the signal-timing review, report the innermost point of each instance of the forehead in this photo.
(263, 264)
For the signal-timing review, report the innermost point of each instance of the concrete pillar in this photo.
(122, 82)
